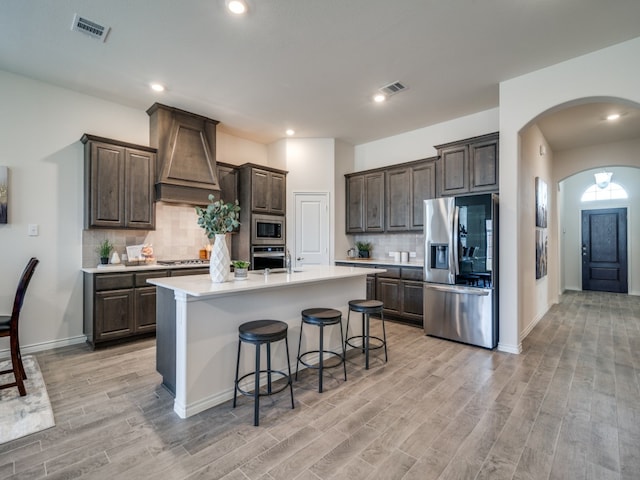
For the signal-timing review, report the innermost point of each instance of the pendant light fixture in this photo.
(603, 178)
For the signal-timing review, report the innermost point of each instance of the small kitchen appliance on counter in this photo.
(190, 261)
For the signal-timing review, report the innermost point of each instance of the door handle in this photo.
(300, 258)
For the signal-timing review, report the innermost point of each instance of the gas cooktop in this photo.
(194, 261)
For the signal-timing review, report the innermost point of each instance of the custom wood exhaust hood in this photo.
(186, 168)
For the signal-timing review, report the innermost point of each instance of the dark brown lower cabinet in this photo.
(388, 291)
(120, 307)
(399, 288)
(113, 309)
(412, 301)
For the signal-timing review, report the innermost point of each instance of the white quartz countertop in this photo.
(201, 285)
(381, 261)
(111, 268)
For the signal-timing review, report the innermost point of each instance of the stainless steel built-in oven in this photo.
(267, 257)
(267, 230)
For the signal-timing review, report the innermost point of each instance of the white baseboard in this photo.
(516, 349)
(39, 347)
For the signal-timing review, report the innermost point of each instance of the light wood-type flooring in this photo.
(568, 407)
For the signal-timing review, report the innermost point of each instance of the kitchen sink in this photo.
(271, 271)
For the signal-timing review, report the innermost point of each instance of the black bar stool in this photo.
(367, 307)
(260, 332)
(321, 317)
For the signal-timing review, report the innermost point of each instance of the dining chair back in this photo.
(9, 328)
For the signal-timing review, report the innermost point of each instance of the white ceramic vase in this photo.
(220, 261)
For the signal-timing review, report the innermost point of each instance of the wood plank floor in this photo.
(568, 407)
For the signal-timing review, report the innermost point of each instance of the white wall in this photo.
(311, 166)
(606, 74)
(571, 190)
(40, 130)
(344, 163)
(418, 144)
(236, 151)
(537, 294)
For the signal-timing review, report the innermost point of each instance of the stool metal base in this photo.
(258, 338)
(321, 318)
(367, 307)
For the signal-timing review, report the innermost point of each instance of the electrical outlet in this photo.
(412, 254)
(33, 230)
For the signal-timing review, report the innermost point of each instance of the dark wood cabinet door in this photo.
(114, 311)
(139, 173)
(228, 179)
(277, 193)
(374, 202)
(355, 204)
(145, 309)
(398, 196)
(371, 287)
(388, 292)
(106, 187)
(412, 300)
(423, 186)
(259, 191)
(454, 170)
(484, 166)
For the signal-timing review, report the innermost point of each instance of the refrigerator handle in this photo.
(455, 236)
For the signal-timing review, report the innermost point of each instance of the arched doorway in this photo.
(564, 141)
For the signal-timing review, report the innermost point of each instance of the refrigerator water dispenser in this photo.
(439, 256)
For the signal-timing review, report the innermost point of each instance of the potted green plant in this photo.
(104, 249)
(217, 219)
(363, 249)
(240, 269)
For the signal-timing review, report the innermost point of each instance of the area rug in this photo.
(20, 416)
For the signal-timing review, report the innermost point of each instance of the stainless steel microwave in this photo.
(267, 230)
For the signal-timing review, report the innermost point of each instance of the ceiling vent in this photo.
(93, 29)
(393, 88)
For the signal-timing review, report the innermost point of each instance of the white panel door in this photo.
(312, 229)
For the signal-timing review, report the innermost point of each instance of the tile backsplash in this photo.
(383, 243)
(177, 236)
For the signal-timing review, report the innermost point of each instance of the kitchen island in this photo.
(197, 325)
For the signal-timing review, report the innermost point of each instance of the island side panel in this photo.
(207, 341)
(166, 337)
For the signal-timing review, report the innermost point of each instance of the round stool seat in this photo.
(321, 316)
(262, 331)
(366, 306)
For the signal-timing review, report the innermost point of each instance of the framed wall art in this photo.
(4, 194)
(541, 203)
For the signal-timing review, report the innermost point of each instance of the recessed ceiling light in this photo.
(613, 116)
(157, 87)
(290, 132)
(237, 7)
(379, 97)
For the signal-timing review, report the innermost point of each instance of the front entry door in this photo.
(604, 250)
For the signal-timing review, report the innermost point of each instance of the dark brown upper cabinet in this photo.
(186, 143)
(228, 179)
(468, 166)
(407, 186)
(365, 202)
(264, 189)
(119, 179)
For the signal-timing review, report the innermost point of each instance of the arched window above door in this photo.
(613, 191)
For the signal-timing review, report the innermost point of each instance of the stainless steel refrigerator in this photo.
(461, 267)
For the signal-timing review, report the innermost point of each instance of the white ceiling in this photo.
(311, 65)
